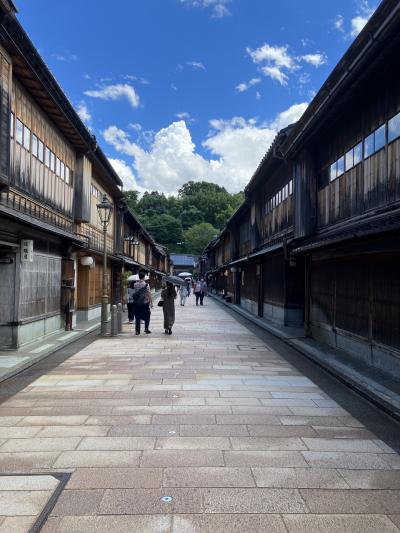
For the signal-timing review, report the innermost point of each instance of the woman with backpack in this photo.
(168, 296)
(143, 301)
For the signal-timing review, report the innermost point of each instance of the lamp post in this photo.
(104, 209)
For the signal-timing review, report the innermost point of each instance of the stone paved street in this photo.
(213, 419)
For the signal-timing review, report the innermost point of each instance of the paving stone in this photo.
(145, 430)
(338, 524)
(214, 430)
(281, 431)
(117, 443)
(342, 432)
(292, 420)
(28, 483)
(265, 458)
(342, 445)
(267, 443)
(95, 458)
(183, 419)
(193, 443)
(17, 524)
(26, 461)
(73, 431)
(351, 501)
(73, 420)
(297, 478)
(78, 502)
(18, 432)
(115, 478)
(395, 519)
(22, 502)
(230, 500)
(118, 420)
(165, 458)
(228, 523)
(372, 479)
(40, 444)
(10, 420)
(115, 524)
(249, 419)
(149, 501)
(208, 477)
(346, 460)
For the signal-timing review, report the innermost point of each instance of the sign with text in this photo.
(27, 251)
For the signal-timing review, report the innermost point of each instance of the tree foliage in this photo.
(198, 236)
(200, 206)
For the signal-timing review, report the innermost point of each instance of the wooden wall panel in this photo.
(28, 173)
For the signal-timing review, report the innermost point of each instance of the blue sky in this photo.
(190, 89)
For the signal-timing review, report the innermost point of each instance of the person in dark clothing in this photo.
(203, 290)
(143, 301)
(131, 304)
(168, 296)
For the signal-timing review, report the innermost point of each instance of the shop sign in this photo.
(27, 251)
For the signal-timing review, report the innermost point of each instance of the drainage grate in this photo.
(49, 484)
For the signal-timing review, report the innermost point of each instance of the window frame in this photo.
(12, 125)
(396, 116)
(34, 145)
(41, 150)
(27, 138)
(17, 123)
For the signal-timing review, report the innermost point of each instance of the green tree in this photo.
(191, 216)
(198, 236)
(165, 228)
(132, 198)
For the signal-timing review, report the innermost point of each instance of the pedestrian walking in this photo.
(183, 294)
(188, 287)
(168, 296)
(143, 301)
(130, 303)
(197, 291)
(203, 290)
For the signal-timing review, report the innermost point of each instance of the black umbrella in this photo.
(175, 280)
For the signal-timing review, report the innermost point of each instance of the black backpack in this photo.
(138, 296)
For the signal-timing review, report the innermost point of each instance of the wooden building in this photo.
(52, 175)
(316, 241)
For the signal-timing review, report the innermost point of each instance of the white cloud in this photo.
(66, 57)
(338, 23)
(86, 76)
(357, 24)
(258, 95)
(275, 74)
(173, 87)
(135, 126)
(242, 87)
(84, 113)
(316, 60)
(289, 116)
(236, 147)
(116, 92)
(277, 55)
(365, 12)
(197, 65)
(125, 172)
(277, 63)
(218, 7)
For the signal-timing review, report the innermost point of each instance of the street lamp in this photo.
(104, 209)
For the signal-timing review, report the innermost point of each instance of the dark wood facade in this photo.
(52, 176)
(320, 244)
